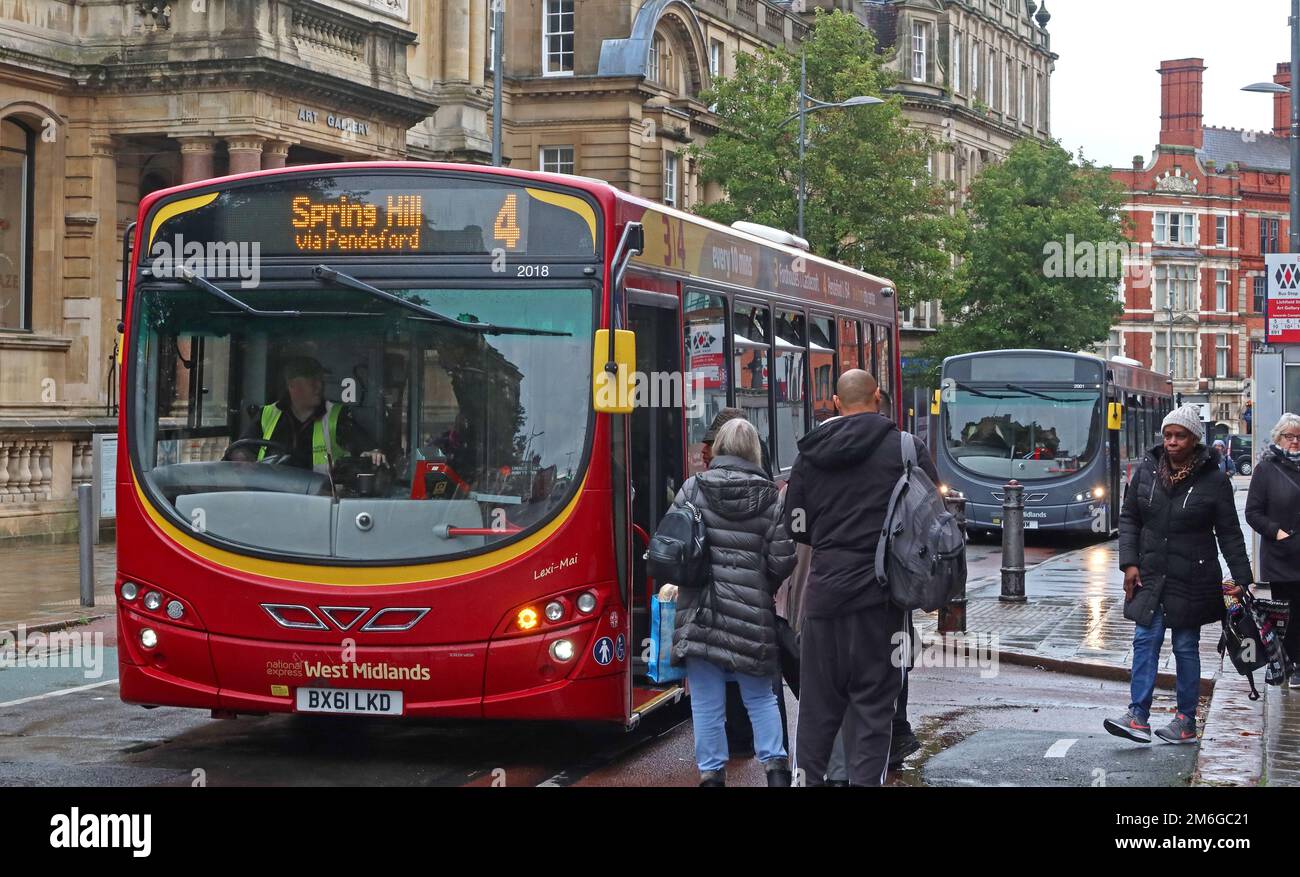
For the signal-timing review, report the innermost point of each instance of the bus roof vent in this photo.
(1124, 360)
(775, 235)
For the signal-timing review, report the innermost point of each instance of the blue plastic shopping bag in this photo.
(660, 668)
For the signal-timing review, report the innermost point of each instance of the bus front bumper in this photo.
(499, 679)
(1086, 516)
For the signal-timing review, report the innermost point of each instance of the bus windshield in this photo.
(360, 429)
(1009, 431)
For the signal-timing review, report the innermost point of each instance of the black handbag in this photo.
(1142, 608)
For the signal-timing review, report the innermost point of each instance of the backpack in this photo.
(921, 557)
(679, 550)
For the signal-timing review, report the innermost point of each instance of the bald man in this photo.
(836, 500)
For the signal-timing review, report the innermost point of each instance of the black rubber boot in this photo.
(709, 778)
(778, 773)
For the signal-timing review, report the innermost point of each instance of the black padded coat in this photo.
(750, 554)
(1274, 504)
(1171, 535)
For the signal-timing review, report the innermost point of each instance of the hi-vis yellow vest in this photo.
(322, 440)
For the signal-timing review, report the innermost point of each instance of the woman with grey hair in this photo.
(726, 630)
(1273, 511)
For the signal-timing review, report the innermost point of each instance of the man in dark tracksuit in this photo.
(836, 501)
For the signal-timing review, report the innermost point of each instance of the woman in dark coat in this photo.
(727, 630)
(1177, 503)
(1273, 511)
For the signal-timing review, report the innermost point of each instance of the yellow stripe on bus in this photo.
(176, 208)
(358, 576)
(568, 202)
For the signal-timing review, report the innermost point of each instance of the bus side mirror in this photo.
(1114, 416)
(934, 403)
(612, 379)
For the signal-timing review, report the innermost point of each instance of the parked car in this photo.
(1241, 449)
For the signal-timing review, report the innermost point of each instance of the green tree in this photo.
(1046, 236)
(870, 202)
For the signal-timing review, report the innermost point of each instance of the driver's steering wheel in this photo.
(282, 451)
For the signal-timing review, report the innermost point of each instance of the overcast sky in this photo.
(1106, 92)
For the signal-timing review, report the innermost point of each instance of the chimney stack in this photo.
(1282, 102)
(1180, 102)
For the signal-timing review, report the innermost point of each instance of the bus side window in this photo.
(821, 354)
(751, 356)
(706, 346)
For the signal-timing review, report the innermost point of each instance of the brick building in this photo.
(1207, 207)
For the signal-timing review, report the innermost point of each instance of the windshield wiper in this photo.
(1020, 389)
(326, 274)
(198, 281)
(974, 392)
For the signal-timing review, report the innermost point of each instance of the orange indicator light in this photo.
(527, 619)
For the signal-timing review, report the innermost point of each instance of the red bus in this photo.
(485, 562)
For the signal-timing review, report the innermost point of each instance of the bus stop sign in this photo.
(1283, 323)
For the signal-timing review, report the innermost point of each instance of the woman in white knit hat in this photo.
(1177, 506)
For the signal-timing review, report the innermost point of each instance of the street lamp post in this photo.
(1275, 88)
(809, 105)
(498, 10)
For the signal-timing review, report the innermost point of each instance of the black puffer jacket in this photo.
(1274, 504)
(1171, 535)
(734, 626)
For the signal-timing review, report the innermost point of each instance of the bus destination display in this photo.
(391, 215)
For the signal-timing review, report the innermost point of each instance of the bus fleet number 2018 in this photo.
(533, 270)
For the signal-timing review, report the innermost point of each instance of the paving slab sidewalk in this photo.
(40, 585)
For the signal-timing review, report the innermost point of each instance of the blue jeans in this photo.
(1147, 642)
(709, 713)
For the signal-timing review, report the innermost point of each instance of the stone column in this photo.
(456, 41)
(196, 158)
(275, 154)
(245, 153)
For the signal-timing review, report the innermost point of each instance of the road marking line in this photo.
(59, 693)
(1060, 747)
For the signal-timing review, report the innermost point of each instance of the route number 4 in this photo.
(506, 226)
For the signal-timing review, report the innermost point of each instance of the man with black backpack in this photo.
(837, 499)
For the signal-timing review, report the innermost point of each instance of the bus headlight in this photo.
(152, 600)
(1080, 497)
(562, 650)
(130, 590)
(554, 610)
(1098, 492)
(586, 602)
(175, 609)
(148, 638)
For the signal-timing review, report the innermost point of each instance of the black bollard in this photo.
(86, 542)
(952, 618)
(1013, 543)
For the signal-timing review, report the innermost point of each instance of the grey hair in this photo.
(738, 438)
(1288, 421)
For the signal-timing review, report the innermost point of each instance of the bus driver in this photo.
(315, 431)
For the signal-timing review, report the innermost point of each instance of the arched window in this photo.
(17, 147)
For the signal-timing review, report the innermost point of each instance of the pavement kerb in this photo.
(1232, 737)
(57, 624)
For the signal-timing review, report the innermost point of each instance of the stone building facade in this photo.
(1207, 207)
(102, 102)
(974, 74)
